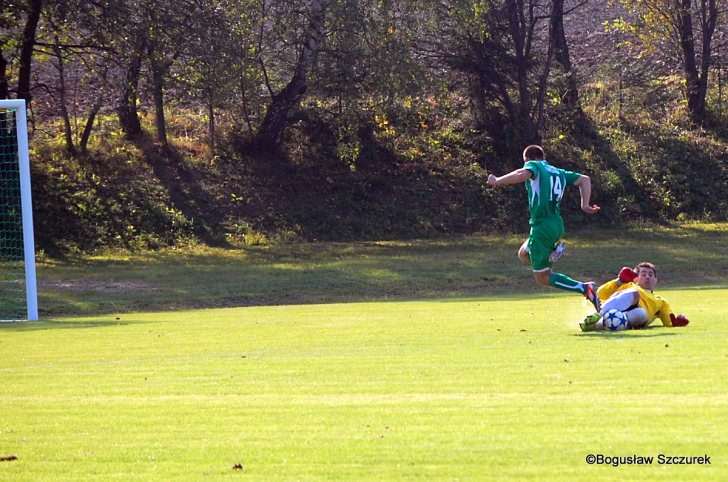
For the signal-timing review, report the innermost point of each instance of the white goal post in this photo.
(17, 256)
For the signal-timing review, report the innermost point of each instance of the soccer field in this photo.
(500, 388)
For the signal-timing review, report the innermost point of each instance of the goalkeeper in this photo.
(632, 293)
(545, 186)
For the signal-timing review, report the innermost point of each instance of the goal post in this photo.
(18, 291)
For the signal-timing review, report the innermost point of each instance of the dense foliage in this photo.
(229, 121)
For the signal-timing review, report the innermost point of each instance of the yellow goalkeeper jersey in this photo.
(655, 305)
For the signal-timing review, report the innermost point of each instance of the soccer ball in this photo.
(615, 320)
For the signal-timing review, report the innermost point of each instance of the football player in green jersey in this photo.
(545, 186)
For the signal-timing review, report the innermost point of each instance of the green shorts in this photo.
(542, 239)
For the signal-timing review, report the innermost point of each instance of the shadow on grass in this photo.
(18, 326)
(183, 185)
(629, 334)
(483, 267)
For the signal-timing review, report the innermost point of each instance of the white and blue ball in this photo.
(615, 320)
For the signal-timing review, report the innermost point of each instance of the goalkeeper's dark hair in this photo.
(648, 265)
(533, 153)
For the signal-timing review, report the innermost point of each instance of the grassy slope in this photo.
(427, 183)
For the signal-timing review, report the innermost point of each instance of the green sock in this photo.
(563, 282)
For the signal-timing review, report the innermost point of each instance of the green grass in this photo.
(428, 390)
(500, 386)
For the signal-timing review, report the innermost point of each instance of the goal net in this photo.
(18, 296)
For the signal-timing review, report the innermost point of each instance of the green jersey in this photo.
(546, 188)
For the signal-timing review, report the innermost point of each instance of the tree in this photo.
(170, 28)
(33, 10)
(72, 37)
(127, 34)
(503, 50)
(19, 22)
(269, 133)
(675, 22)
(6, 23)
(216, 63)
(696, 80)
(367, 75)
(126, 107)
(4, 86)
(60, 65)
(156, 32)
(557, 39)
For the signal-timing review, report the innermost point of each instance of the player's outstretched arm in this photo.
(584, 185)
(513, 177)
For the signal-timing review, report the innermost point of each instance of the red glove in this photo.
(679, 320)
(627, 275)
